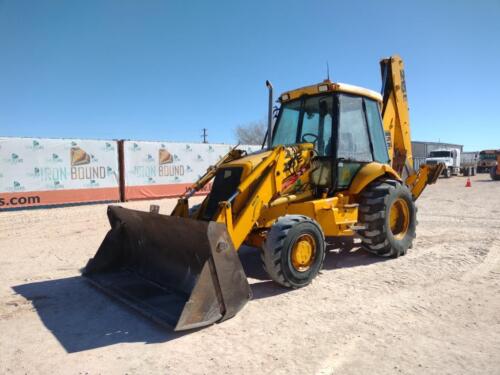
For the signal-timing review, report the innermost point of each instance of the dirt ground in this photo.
(435, 310)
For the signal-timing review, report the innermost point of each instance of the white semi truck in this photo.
(455, 161)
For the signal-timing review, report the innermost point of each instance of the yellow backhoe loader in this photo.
(338, 163)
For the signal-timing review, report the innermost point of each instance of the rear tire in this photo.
(279, 255)
(473, 171)
(389, 217)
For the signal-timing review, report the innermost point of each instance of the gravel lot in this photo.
(436, 310)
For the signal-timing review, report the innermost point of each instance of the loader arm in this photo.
(260, 188)
(268, 176)
(182, 206)
(396, 122)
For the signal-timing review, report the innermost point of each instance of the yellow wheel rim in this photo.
(303, 252)
(399, 218)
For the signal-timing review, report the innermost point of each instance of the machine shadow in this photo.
(83, 318)
(350, 256)
(345, 257)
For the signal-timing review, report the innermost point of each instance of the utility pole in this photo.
(205, 135)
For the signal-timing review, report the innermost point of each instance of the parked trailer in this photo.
(468, 163)
(456, 162)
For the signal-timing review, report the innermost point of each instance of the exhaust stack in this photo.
(270, 115)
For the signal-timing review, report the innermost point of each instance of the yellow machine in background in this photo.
(338, 163)
(495, 170)
(487, 159)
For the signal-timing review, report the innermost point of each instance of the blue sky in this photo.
(163, 70)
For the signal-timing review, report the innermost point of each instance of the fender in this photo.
(369, 173)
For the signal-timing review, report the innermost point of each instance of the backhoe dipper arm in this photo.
(395, 115)
(396, 121)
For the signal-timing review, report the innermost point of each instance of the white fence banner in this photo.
(39, 172)
(163, 169)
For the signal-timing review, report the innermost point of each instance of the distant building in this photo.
(421, 150)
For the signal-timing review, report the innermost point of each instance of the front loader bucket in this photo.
(181, 272)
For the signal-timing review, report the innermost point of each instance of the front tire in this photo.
(389, 217)
(294, 251)
(447, 173)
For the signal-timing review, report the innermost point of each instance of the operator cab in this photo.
(343, 123)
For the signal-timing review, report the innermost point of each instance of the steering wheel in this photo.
(315, 138)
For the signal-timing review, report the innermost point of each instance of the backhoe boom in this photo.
(396, 122)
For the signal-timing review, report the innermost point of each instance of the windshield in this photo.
(306, 120)
(440, 154)
(487, 156)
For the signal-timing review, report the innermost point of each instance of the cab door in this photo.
(360, 137)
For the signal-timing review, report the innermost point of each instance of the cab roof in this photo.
(328, 86)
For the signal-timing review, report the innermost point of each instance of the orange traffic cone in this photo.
(468, 184)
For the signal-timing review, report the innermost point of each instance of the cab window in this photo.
(308, 120)
(376, 131)
(353, 149)
(354, 143)
(317, 124)
(286, 126)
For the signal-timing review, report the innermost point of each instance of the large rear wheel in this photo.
(388, 216)
(294, 251)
